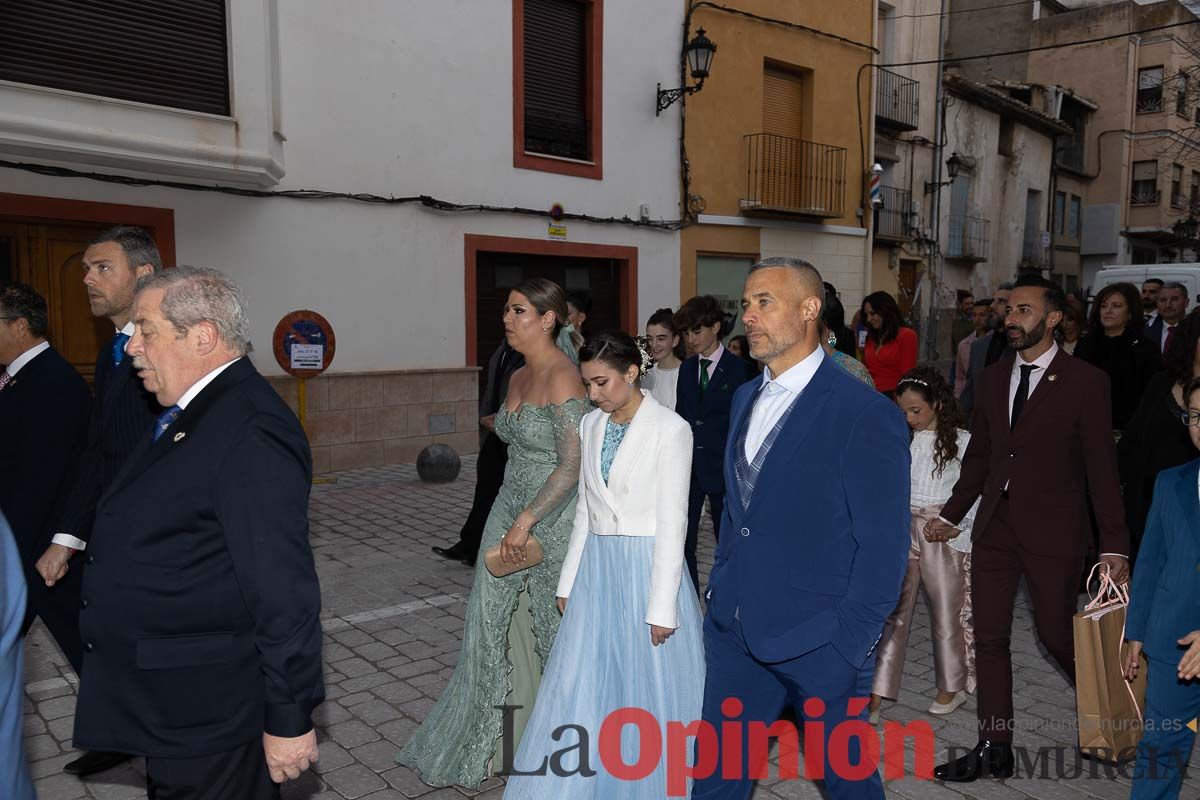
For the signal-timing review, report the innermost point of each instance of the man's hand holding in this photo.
(938, 530)
(1118, 568)
(287, 758)
(52, 566)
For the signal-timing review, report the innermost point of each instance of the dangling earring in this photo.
(831, 339)
(629, 384)
(545, 329)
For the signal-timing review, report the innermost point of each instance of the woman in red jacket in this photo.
(891, 348)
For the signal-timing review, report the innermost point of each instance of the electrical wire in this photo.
(424, 200)
(773, 21)
(890, 17)
(1040, 48)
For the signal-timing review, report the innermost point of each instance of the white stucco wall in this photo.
(416, 99)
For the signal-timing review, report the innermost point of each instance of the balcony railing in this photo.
(893, 217)
(897, 101)
(968, 238)
(792, 176)
(1143, 197)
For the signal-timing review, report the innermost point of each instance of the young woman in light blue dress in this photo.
(631, 630)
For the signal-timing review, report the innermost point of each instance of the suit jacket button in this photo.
(745, 531)
(91, 559)
(1012, 454)
(89, 647)
(699, 422)
(83, 603)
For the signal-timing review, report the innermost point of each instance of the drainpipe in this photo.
(935, 205)
(865, 207)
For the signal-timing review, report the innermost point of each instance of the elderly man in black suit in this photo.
(122, 413)
(44, 405)
(200, 620)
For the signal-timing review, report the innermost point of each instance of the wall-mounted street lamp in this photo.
(699, 52)
(954, 165)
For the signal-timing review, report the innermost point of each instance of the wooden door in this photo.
(49, 258)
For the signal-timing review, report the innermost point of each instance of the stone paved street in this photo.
(393, 614)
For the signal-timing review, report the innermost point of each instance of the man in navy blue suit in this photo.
(816, 541)
(14, 771)
(706, 383)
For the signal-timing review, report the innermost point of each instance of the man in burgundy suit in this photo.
(1041, 447)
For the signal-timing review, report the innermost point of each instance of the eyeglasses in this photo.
(1190, 418)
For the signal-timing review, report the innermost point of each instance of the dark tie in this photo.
(118, 348)
(1170, 336)
(1022, 393)
(704, 362)
(165, 419)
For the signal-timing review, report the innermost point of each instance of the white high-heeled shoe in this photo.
(946, 708)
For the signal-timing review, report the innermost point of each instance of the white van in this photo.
(1187, 274)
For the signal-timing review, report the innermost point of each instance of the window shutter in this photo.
(167, 53)
(783, 99)
(556, 120)
(1145, 170)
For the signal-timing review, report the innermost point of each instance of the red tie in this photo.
(1170, 336)
(5, 380)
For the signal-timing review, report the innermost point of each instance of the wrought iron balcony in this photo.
(968, 238)
(897, 101)
(792, 176)
(893, 218)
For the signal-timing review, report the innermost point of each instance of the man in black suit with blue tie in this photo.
(122, 413)
(707, 381)
(201, 605)
(44, 405)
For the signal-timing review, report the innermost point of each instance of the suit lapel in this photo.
(596, 439)
(799, 423)
(714, 379)
(149, 451)
(636, 436)
(1046, 385)
(116, 378)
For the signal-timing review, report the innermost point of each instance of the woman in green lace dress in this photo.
(512, 621)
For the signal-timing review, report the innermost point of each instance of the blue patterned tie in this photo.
(118, 348)
(165, 419)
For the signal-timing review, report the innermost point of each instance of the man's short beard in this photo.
(1030, 339)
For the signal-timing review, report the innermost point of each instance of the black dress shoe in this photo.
(92, 762)
(457, 552)
(987, 759)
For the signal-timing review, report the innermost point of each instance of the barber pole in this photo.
(875, 186)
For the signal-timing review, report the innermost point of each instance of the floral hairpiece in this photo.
(643, 345)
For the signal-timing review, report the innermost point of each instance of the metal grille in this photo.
(897, 100)
(795, 176)
(167, 53)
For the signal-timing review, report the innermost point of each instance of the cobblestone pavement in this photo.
(393, 615)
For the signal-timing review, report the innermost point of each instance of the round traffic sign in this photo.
(304, 344)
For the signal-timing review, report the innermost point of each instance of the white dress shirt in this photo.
(26, 357)
(713, 359)
(75, 543)
(1042, 363)
(775, 395)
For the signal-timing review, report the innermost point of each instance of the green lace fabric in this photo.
(511, 621)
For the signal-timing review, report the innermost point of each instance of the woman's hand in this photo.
(938, 531)
(562, 605)
(658, 634)
(1189, 665)
(512, 546)
(1131, 665)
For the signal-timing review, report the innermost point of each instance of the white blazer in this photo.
(646, 495)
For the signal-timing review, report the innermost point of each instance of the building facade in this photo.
(778, 145)
(481, 117)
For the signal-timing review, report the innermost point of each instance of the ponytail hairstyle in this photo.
(936, 391)
(618, 350)
(665, 317)
(545, 296)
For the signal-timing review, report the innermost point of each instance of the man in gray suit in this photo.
(988, 348)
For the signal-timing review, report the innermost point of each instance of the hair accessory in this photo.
(917, 381)
(643, 346)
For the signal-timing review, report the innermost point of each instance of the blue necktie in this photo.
(118, 348)
(165, 419)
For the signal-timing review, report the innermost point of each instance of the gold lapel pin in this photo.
(1051, 377)
(179, 436)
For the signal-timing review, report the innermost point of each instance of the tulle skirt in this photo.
(603, 661)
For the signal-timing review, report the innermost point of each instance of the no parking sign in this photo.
(304, 344)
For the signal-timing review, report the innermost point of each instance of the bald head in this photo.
(809, 280)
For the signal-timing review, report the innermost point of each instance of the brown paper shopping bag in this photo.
(1110, 708)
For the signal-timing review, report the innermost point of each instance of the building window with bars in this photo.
(1181, 94)
(1194, 197)
(557, 90)
(1073, 215)
(177, 58)
(1177, 198)
(1144, 189)
(1150, 90)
